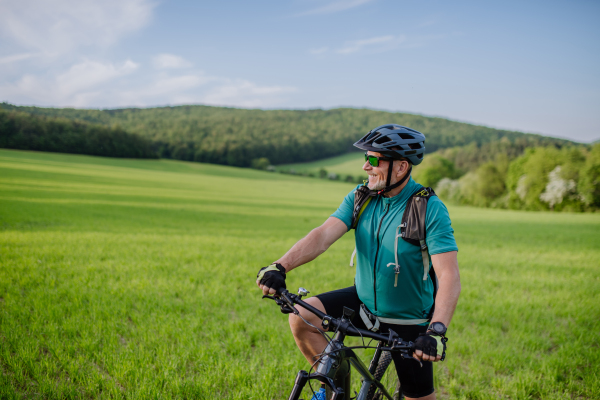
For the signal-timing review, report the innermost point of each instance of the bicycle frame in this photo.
(334, 365)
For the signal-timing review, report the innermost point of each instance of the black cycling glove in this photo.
(431, 344)
(272, 276)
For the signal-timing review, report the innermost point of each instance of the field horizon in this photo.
(124, 278)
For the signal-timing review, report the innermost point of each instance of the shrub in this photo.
(433, 169)
(260, 163)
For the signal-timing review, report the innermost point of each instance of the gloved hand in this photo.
(430, 347)
(271, 278)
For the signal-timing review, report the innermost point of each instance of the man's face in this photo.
(377, 175)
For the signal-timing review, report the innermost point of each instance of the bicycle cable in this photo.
(361, 336)
(320, 331)
(312, 367)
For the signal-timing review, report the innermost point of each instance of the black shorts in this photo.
(416, 381)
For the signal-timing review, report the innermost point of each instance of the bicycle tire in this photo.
(388, 377)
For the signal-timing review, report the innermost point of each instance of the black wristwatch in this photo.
(438, 329)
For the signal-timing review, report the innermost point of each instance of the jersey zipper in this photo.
(387, 208)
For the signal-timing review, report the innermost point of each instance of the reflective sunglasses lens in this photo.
(374, 161)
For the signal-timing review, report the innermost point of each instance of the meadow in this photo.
(344, 165)
(134, 279)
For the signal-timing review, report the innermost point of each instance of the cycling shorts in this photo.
(416, 381)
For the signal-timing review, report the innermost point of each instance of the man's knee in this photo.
(297, 324)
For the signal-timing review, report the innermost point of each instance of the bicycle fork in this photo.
(328, 365)
(303, 377)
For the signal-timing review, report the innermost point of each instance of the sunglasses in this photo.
(374, 160)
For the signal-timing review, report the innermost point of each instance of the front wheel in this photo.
(386, 374)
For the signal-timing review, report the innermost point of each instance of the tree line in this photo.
(467, 164)
(543, 178)
(239, 137)
(23, 131)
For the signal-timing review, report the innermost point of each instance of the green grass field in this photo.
(135, 279)
(344, 165)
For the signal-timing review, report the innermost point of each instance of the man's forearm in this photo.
(313, 244)
(447, 296)
(305, 250)
(446, 269)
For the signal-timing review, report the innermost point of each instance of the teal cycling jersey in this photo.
(405, 295)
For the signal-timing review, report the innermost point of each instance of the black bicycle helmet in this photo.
(395, 141)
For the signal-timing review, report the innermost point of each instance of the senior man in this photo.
(393, 284)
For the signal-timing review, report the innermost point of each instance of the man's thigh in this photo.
(416, 381)
(335, 301)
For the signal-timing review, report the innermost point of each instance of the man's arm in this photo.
(311, 246)
(446, 270)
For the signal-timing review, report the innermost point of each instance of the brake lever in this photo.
(285, 303)
(285, 307)
(410, 353)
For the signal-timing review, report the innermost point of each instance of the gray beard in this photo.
(378, 186)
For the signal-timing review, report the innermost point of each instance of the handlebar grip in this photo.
(281, 290)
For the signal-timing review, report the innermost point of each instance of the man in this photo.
(394, 286)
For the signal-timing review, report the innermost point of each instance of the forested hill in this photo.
(238, 136)
(23, 131)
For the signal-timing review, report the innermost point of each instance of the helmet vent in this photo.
(382, 139)
(409, 152)
(415, 145)
(406, 136)
(374, 136)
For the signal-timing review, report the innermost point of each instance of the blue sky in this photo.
(525, 65)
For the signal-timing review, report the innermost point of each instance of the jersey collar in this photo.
(405, 193)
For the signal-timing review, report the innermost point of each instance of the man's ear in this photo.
(402, 168)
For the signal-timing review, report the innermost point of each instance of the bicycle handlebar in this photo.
(286, 298)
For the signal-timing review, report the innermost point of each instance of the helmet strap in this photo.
(389, 187)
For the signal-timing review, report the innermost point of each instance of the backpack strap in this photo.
(413, 230)
(362, 197)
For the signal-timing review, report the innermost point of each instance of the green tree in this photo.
(490, 182)
(534, 175)
(589, 184)
(19, 130)
(237, 136)
(433, 169)
(261, 163)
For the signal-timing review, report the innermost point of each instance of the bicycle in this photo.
(335, 362)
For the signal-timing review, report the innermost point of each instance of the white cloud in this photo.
(242, 93)
(57, 26)
(89, 74)
(386, 43)
(79, 86)
(96, 84)
(15, 58)
(356, 45)
(335, 6)
(319, 50)
(164, 90)
(166, 61)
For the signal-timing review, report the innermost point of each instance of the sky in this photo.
(532, 66)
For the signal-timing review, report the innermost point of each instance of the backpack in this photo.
(412, 226)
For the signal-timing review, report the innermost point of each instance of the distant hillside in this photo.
(23, 131)
(237, 136)
(349, 164)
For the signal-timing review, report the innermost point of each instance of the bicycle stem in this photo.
(342, 324)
